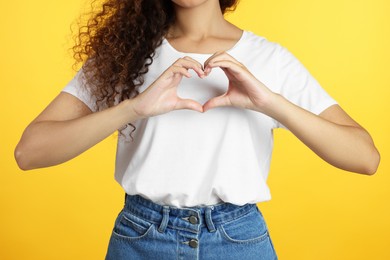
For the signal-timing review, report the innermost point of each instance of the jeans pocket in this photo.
(249, 228)
(130, 227)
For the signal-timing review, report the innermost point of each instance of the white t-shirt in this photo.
(185, 158)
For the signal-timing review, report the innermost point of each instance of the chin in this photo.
(190, 3)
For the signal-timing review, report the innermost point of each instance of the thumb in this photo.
(219, 101)
(189, 104)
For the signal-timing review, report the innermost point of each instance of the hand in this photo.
(244, 90)
(161, 96)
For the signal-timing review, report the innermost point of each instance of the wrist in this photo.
(274, 106)
(284, 111)
(130, 111)
(268, 104)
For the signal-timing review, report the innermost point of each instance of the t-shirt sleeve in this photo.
(78, 88)
(298, 86)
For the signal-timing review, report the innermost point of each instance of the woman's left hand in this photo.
(244, 89)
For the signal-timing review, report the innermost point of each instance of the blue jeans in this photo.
(146, 230)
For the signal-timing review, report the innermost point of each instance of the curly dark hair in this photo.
(117, 44)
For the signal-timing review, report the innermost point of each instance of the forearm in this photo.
(347, 147)
(49, 143)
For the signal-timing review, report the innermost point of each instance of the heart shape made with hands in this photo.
(231, 85)
(203, 89)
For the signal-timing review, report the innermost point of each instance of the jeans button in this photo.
(193, 243)
(193, 220)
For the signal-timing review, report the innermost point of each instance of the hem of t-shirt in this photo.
(321, 107)
(73, 93)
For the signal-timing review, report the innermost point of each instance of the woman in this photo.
(195, 99)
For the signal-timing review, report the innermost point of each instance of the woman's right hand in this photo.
(161, 96)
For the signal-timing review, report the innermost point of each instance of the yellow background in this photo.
(316, 212)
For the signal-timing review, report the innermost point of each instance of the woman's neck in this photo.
(199, 22)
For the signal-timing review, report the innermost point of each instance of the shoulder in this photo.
(260, 46)
(253, 41)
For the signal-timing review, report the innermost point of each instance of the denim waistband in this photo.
(191, 219)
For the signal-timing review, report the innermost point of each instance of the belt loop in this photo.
(209, 221)
(164, 221)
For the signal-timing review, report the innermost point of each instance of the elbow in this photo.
(371, 166)
(22, 158)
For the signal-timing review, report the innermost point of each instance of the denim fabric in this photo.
(146, 230)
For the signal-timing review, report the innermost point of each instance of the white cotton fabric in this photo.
(185, 158)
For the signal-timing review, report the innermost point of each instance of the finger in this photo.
(189, 104)
(226, 64)
(219, 101)
(197, 62)
(191, 64)
(220, 56)
(174, 69)
(207, 70)
(218, 53)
